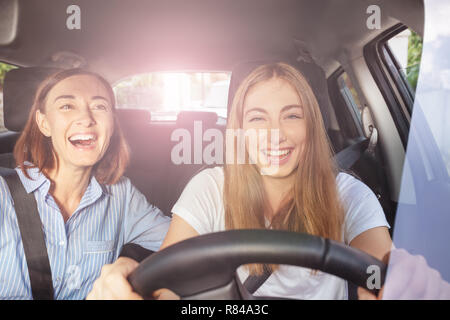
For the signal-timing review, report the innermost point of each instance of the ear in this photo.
(42, 122)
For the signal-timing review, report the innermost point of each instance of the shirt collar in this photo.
(96, 188)
(93, 192)
(36, 180)
(40, 181)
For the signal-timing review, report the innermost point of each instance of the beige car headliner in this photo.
(120, 38)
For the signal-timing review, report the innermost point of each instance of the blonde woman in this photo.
(290, 183)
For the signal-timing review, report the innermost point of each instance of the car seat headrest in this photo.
(188, 117)
(311, 71)
(19, 90)
(133, 117)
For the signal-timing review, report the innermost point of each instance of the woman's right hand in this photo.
(113, 284)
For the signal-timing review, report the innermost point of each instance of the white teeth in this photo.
(82, 137)
(277, 153)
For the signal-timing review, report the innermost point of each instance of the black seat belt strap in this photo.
(347, 157)
(253, 282)
(32, 234)
(135, 252)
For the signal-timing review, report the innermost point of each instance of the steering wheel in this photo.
(204, 267)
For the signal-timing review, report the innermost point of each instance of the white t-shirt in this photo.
(201, 205)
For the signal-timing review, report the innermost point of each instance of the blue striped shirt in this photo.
(107, 217)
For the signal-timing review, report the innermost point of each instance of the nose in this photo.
(85, 117)
(276, 133)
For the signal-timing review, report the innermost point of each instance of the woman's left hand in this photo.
(113, 284)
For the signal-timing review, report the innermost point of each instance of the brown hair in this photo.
(313, 205)
(35, 148)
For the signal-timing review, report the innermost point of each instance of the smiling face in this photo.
(78, 117)
(274, 106)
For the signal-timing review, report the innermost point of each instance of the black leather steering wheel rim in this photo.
(207, 263)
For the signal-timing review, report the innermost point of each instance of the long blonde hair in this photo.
(313, 204)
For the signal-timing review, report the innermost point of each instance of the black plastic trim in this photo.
(373, 54)
(345, 119)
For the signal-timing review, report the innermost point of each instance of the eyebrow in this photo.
(284, 109)
(255, 109)
(68, 96)
(100, 97)
(292, 106)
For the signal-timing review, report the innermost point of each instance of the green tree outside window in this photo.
(414, 56)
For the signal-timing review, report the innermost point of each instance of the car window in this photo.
(165, 94)
(394, 59)
(407, 50)
(402, 55)
(4, 68)
(350, 96)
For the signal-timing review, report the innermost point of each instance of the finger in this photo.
(113, 283)
(118, 287)
(132, 296)
(125, 266)
(364, 294)
(166, 294)
(95, 292)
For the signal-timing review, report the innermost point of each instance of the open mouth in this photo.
(277, 156)
(83, 140)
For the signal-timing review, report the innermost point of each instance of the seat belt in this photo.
(347, 157)
(253, 282)
(30, 226)
(135, 252)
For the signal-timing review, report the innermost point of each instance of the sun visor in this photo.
(9, 17)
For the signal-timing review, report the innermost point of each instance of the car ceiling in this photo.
(120, 38)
